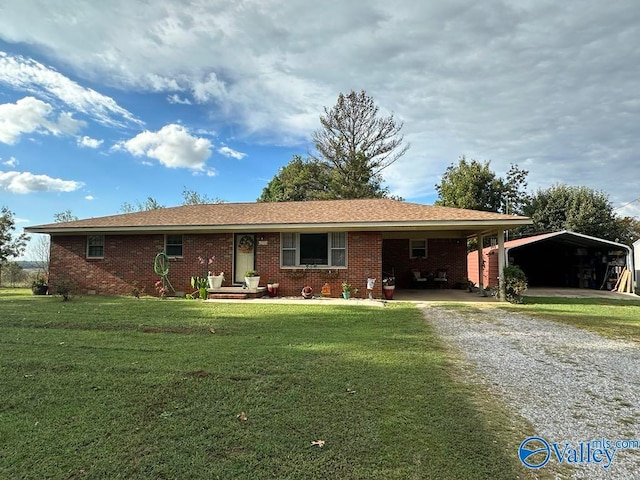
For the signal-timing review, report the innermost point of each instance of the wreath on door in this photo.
(245, 245)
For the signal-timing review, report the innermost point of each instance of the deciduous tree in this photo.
(472, 184)
(299, 180)
(352, 147)
(191, 197)
(628, 230)
(10, 246)
(149, 204)
(576, 208)
(66, 216)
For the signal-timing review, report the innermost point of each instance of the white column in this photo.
(501, 264)
(480, 265)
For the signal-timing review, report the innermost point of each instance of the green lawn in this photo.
(609, 317)
(125, 388)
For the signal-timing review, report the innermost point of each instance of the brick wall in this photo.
(490, 269)
(442, 254)
(363, 260)
(128, 260)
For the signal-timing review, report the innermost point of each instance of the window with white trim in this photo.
(317, 249)
(95, 246)
(418, 248)
(173, 245)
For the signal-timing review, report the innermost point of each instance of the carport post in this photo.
(480, 265)
(501, 265)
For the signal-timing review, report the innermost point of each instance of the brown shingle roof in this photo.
(335, 213)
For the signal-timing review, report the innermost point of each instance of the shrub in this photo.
(66, 289)
(515, 283)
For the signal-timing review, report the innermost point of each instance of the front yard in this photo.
(126, 388)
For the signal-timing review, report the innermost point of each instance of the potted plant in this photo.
(215, 281)
(272, 289)
(39, 286)
(252, 279)
(200, 284)
(388, 287)
(348, 290)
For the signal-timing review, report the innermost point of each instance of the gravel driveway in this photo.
(570, 384)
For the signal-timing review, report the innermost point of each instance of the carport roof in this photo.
(566, 237)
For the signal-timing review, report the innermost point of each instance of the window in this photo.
(323, 249)
(418, 248)
(173, 245)
(288, 249)
(95, 246)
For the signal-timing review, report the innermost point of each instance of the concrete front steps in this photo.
(235, 293)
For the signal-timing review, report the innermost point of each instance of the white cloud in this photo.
(89, 142)
(175, 98)
(209, 89)
(12, 162)
(26, 182)
(173, 146)
(30, 115)
(27, 74)
(230, 152)
(89, 197)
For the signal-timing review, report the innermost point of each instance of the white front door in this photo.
(245, 247)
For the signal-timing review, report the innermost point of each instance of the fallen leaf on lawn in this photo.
(212, 330)
(350, 392)
(318, 443)
(242, 417)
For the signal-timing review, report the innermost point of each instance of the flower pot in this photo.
(388, 292)
(252, 282)
(346, 295)
(40, 289)
(272, 289)
(307, 292)
(215, 281)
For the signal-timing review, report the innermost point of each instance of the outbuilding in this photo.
(559, 259)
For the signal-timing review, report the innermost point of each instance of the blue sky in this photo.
(103, 103)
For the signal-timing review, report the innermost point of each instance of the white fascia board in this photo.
(354, 226)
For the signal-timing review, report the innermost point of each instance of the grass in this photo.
(125, 388)
(618, 319)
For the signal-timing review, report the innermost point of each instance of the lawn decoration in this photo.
(161, 268)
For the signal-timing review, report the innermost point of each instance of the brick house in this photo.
(292, 243)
